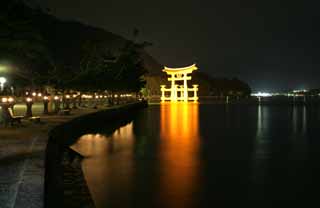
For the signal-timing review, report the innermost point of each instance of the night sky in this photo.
(273, 45)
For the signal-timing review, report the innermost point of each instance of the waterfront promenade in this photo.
(22, 158)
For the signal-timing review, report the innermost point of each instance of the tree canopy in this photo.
(42, 50)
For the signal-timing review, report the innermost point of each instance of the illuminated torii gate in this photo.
(179, 92)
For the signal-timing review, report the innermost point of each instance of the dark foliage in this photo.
(22, 47)
(220, 86)
(43, 50)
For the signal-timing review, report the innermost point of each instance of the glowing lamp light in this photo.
(87, 96)
(4, 100)
(29, 100)
(39, 95)
(68, 96)
(10, 100)
(46, 98)
(74, 96)
(56, 98)
(101, 96)
(97, 97)
(34, 94)
(3, 80)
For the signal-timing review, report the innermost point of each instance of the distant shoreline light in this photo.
(261, 94)
(294, 93)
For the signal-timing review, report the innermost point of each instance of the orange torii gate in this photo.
(179, 92)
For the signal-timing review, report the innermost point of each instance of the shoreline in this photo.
(22, 159)
(76, 193)
(63, 136)
(313, 101)
(23, 154)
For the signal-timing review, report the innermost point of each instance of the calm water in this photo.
(191, 155)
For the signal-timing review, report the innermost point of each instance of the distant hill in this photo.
(67, 37)
(65, 41)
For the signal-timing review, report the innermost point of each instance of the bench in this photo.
(12, 118)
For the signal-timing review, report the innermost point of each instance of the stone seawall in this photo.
(64, 135)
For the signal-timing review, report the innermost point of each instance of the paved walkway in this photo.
(22, 155)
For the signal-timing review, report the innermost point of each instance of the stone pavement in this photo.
(22, 157)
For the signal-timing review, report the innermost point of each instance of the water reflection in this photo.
(259, 123)
(304, 120)
(107, 161)
(261, 142)
(299, 125)
(117, 167)
(179, 147)
(294, 120)
(261, 151)
(299, 114)
(245, 153)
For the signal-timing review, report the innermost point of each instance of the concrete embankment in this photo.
(23, 152)
(22, 156)
(59, 165)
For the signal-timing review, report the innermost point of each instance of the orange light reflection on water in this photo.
(179, 162)
(107, 160)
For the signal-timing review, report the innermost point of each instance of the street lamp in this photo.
(29, 102)
(45, 105)
(56, 104)
(2, 81)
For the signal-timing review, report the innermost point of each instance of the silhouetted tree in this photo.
(22, 44)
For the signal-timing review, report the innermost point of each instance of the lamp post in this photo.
(67, 101)
(29, 102)
(45, 105)
(96, 102)
(3, 80)
(74, 101)
(56, 104)
(5, 112)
